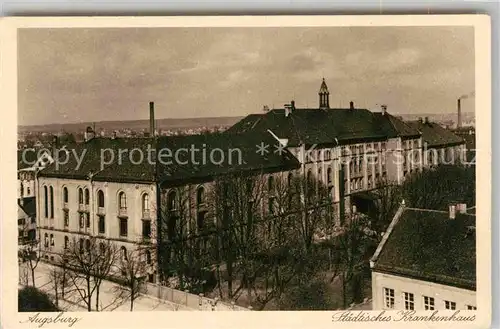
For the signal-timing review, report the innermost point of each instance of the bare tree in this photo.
(90, 261)
(29, 255)
(133, 268)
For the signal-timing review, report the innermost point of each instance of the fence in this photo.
(189, 300)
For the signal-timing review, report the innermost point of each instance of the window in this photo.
(200, 196)
(87, 245)
(450, 305)
(87, 196)
(80, 219)
(65, 195)
(28, 190)
(329, 175)
(145, 206)
(389, 297)
(51, 202)
(124, 253)
(123, 202)
(409, 301)
(123, 227)
(22, 189)
(270, 184)
(101, 225)
(87, 220)
(320, 175)
(66, 217)
(100, 199)
(102, 248)
(46, 240)
(80, 196)
(81, 245)
(52, 242)
(428, 303)
(471, 307)
(171, 203)
(46, 201)
(66, 242)
(148, 257)
(146, 229)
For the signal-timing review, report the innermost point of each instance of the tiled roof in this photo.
(325, 126)
(428, 245)
(232, 147)
(26, 158)
(435, 135)
(395, 126)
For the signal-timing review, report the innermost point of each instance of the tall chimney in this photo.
(459, 110)
(151, 119)
(351, 105)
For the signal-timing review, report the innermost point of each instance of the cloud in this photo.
(109, 74)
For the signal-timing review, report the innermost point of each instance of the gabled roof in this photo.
(428, 245)
(325, 126)
(231, 148)
(435, 135)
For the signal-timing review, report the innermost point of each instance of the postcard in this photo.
(301, 171)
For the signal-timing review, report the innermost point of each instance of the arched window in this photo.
(145, 203)
(87, 245)
(46, 240)
(124, 253)
(320, 174)
(270, 184)
(100, 199)
(200, 196)
(87, 196)
(51, 202)
(329, 175)
(52, 242)
(171, 201)
(123, 201)
(66, 242)
(148, 257)
(102, 248)
(80, 196)
(81, 245)
(65, 195)
(46, 201)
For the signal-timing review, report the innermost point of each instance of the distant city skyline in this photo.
(85, 75)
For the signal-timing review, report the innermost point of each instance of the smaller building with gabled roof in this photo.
(426, 261)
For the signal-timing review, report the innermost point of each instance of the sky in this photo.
(81, 75)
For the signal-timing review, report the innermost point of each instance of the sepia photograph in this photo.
(251, 168)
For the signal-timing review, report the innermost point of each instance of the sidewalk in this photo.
(109, 298)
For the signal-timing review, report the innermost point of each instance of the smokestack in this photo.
(151, 118)
(351, 105)
(459, 110)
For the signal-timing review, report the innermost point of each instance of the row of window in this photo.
(84, 199)
(409, 301)
(84, 244)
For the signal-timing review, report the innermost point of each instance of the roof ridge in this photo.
(382, 243)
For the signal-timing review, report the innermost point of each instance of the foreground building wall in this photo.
(464, 299)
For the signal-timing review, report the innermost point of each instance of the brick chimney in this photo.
(151, 119)
(384, 109)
